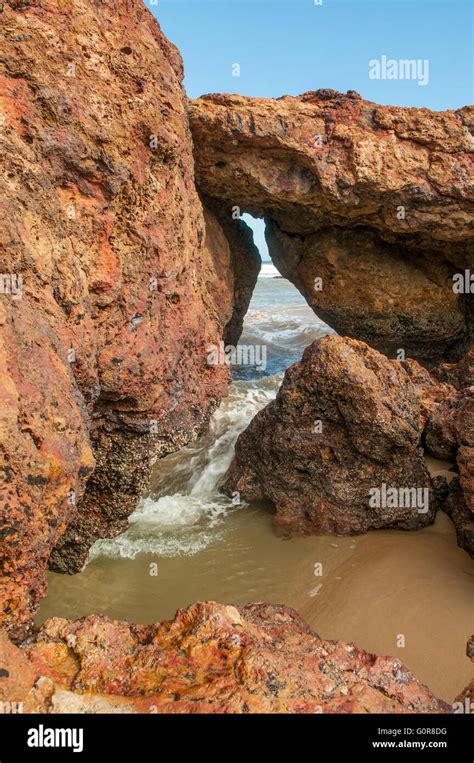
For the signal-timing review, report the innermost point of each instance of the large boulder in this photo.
(210, 659)
(339, 449)
(114, 282)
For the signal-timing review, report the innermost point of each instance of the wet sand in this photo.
(419, 585)
(373, 588)
(405, 594)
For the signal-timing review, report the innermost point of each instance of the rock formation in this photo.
(118, 272)
(113, 280)
(368, 208)
(449, 435)
(464, 703)
(346, 422)
(371, 290)
(460, 375)
(210, 659)
(238, 270)
(369, 212)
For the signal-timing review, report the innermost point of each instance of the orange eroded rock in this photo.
(213, 659)
(339, 449)
(369, 208)
(118, 287)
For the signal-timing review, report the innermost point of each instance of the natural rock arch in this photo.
(377, 201)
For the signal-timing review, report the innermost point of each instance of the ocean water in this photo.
(186, 542)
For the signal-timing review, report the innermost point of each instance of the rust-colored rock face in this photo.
(369, 290)
(346, 422)
(464, 703)
(376, 201)
(449, 435)
(238, 270)
(115, 286)
(460, 375)
(210, 659)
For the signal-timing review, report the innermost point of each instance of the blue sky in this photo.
(291, 46)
